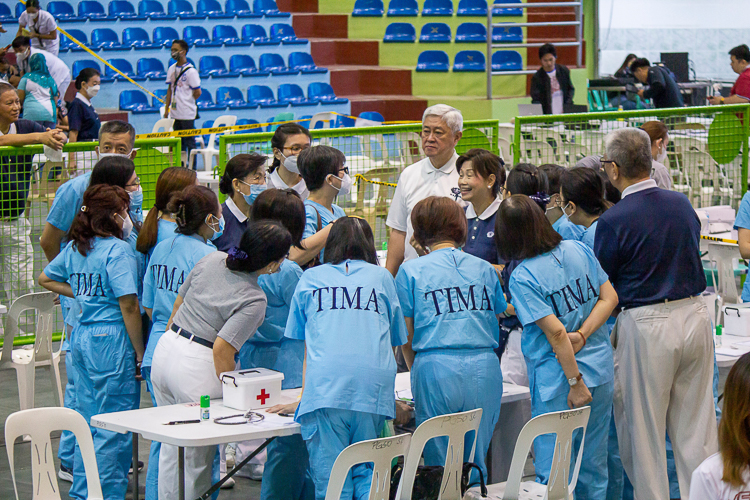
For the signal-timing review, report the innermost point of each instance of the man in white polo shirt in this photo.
(435, 175)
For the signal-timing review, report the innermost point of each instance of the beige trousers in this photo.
(663, 377)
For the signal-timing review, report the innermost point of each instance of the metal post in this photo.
(489, 51)
(135, 466)
(180, 473)
(579, 34)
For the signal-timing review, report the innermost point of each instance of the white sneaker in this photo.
(230, 455)
(255, 471)
(228, 484)
(65, 474)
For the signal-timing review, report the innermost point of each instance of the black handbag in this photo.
(429, 478)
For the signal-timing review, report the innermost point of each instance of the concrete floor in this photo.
(245, 489)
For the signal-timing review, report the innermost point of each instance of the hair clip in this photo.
(237, 254)
(540, 198)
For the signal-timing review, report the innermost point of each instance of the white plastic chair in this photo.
(324, 118)
(561, 423)
(381, 453)
(39, 423)
(455, 426)
(163, 125)
(25, 361)
(209, 151)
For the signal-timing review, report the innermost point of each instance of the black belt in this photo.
(184, 333)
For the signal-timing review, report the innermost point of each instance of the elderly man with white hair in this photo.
(435, 175)
(648, 244)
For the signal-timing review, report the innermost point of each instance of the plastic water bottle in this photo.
(717, 338)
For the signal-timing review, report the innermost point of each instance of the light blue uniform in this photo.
(566, 283)
(326, 217)
(350, 318)
(285, 472)
(742, 221)
(102, 353)
(454, 299)
(68, 201)
(171, 261)
(567, 229)
(587, 237)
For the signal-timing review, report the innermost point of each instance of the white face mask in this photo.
(564, 212)
(21, 56)
(33, 16)
(662, 156)
(346, 185)
(93, 90)
(127, 226)
(290, 163)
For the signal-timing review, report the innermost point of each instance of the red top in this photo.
(742, 86)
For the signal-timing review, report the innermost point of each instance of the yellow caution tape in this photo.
(361, 177)
(720, 240)
(208, 131)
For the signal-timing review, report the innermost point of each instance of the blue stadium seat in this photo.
(151, 68)
(162, 94)
(212, 10)
(214, 66)
(403, 8)
(257, 34)
(323, 92)
(207, 124)
(205, 101)
(228, 36)
(20, 9)
(154, 10)
(172, 61)
(93, 11)
(291, 93)
(498, 11)
(67, 44)
(435, 33)
(471, 32)
(240, 8)
(372, 115)
(248, 121)
(302, 61)
(198, 36)
(231, 97)
(472, 8)
(136, 102)
(469, 60)
(262, 95)
(165, 35)
(124, 66)
(61, 11)
(433, 60)
(510, 34)
(138, 39)
(285, 33)
(437, 8)
(268, 8)
(85, 63)
(506, 60)
(275, 64)
(182, 9)
(368, 8)
(400, 32)
(6, 16)
(106, 39)
(121, 9)
(244, 65)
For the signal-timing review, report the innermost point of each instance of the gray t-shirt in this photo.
(218, 302)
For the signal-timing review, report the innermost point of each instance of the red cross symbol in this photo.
(263, 396)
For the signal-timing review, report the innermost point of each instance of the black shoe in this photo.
(140, 467)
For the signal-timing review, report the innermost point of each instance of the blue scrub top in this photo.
(326, 217)
(742, 221)
(170, 263)
(350, 318)
(565, 283)
(279, 289)
(165, 230)
(567, 229)
(454, 298)
(480, 239)
(588, 235)
(98, 280)
(68, 201)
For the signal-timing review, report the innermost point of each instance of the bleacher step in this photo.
(296, 6)
(329, 52)
(394, 108)
(308, 25)
(370, 80)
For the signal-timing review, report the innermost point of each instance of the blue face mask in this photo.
(255, 190)
(218, 233)
(136, 205)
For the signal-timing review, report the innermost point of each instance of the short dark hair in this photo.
(525, 230)
(239, 167)
(437, 218)
(113, 171)
(640, 62)
(279, 139)
(32, 3)
(547, 48)
(262, 242)
(191, 206)
(554, 173)
(317, 163)
(284, 206)
(484, 163)
(350, 238)
(527, 179)
(584, 187)
(5, 87)
(85, 75)
(741, 52)
(117, 127)
(183, 45)
(20, 41)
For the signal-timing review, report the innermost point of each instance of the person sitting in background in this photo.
(41, 28)
(289, 140)
(739, 58)
(659, 136)
(624, 71)
(726, 475)
(8, 72)
(661, 87)
(551, 85)
(83, 120)
(38, 92)
(242, 182)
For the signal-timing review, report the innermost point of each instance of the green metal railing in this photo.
(707, 155)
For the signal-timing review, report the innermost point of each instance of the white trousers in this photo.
(663, 383)
(17, 257)
(182, 372)
(513, 363)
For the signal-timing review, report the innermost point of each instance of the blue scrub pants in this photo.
(592, 478)
(106, 383)
(447, 381)
(66, 449)
(152, 473)
(327, 431)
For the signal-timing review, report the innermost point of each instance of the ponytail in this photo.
(191, 206)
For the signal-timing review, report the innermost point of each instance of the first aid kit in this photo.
(251, 389)
(737, 319)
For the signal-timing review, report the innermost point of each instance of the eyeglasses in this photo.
(604, 163)
(257, 179)
(136, 182)
(297, 149)
(345, 169)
